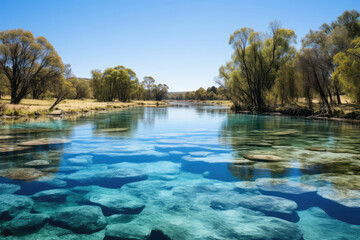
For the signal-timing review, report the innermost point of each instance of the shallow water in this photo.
(180, 172)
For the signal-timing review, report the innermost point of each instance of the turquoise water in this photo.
(180, 172)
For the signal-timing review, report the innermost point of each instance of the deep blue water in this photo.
(181, 172)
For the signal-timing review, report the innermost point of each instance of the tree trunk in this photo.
(337, 95)
(321, 91)
(330, 96)
(58, 100)
(13, 95)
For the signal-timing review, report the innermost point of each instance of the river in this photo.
(180, 172)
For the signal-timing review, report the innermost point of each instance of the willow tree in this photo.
(256, 60)
(118, 82)
(348, 69)
(25, 59)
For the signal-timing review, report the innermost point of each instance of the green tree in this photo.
(61, 90)
(25, 59)
(118, 82)
(3, 86)
(148, 84)
(256, 60)
(160, 91)
(348, 69)
(200, 94)
(97, 85)
(82, 88)
(286, 86)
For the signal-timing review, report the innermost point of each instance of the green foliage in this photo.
(348, 69)
(121, 83)
(212, 93)
(82, 88)
(266, 68)
(160, 91)
(148, 84)
(63, 89)
(256, 61)
(27, 62)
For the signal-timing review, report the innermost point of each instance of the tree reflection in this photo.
(290, 139)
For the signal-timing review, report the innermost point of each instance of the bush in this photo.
(296, 111)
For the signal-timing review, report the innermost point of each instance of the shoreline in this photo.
(59, 113)
(312, 117)
(63, 111)
(276, 113)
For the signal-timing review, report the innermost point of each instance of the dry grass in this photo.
(29, 106)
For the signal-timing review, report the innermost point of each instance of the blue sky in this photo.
(180, 43)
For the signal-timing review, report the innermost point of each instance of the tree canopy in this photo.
(27, 62)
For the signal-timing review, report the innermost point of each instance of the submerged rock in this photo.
(242, 162)
(37, 163)
(264, 158)
(269, 204)
(25, 223)
(114, 177)
(44, 142)
(11, 205)
(21, 173)
(80, 219)
(5, 137)
(81, 160)
(285, 133)
(8, 188)
(119, 203)
(127, 231)
(114, 130)
(283, 186)
(343, 150)
(53, 195)
(13, 149)
(247, 186)
(316, 224)
(345, 197)
(51, 181)
(316, 149)
(208, 224)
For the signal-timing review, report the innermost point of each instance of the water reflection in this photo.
(310, 147)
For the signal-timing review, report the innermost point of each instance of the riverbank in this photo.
(346, 112)
(30, 109)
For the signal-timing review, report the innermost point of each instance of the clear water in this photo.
(179, 172)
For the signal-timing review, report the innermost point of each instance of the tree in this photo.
(63, 89)
(96, 85)
(3, 86)
(325, 44)
(160, 91)
(148, 84)
(285, 83)
(24, 59)
(118, 82)
(348, 69)
(139, 92)
(82, 88)
(126, 81)
(256, 60)
(200, 94)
